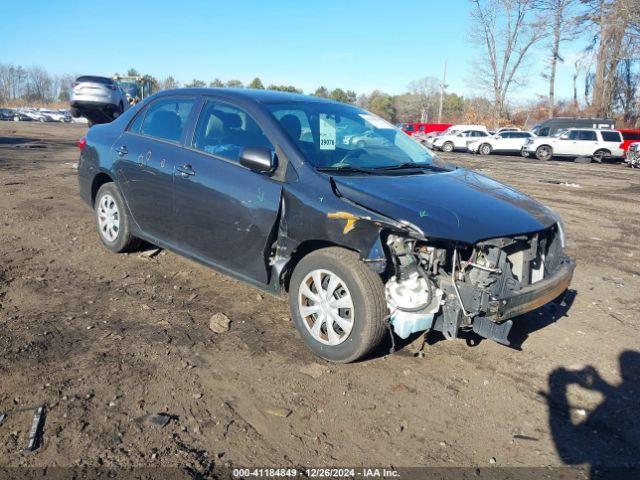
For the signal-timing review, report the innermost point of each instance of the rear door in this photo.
(225, 213)
(587, 142)
(145, 155)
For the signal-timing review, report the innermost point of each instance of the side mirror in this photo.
(497, 137)
(258, 159)
(564, 137)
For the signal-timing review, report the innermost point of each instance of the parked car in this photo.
(554, 125)
(423, 128)
(448, 142)
(629, 136)
(366, 139)
(20, 116)
(32, 114)
(97, 98)
(576, 142)
(505, 142)
(632, 158)
(361, 239)
(6, 114)
(55, 115)
(508, 129)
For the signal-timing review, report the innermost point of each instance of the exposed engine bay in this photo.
(452, 287)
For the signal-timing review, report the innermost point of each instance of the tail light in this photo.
(82, 143)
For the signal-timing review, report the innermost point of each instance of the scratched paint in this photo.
(349, 217)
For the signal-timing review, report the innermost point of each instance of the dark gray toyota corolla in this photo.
(363, 228)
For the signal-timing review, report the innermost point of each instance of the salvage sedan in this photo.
(365, 240)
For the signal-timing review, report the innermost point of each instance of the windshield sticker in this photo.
(376, 121)
(327, 132)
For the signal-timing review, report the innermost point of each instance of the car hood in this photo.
(459, 205)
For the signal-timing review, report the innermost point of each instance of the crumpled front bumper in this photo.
(535, 295)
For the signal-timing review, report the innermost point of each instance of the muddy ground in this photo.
(105, 341)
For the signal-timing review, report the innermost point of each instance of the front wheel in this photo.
(447, 147)
(112, 220)
(338, 305)
(544, 152)
(485, 149)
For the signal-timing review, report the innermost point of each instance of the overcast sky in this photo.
(354, 44)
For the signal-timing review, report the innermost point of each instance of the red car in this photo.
(424, 128)
(629, 136)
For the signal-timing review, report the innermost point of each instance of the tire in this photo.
(118, 239)
(447, 147)
(485, 149)
(544, 152)
(74, 112)
(600, 155)
(364, 316)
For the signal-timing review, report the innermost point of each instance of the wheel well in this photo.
(604, 150)
(545, 145)
(301, 251)
(99, 180)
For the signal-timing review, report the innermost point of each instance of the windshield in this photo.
(129, 87)
(339, 136)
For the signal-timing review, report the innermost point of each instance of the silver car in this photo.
(97, 98)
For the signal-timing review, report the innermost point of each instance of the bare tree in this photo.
(424, 93)
(562, 28)
(614, 22)
(507, 29)
(168, 83)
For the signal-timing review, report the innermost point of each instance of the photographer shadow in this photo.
(608, 437)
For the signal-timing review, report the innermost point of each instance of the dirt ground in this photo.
(107, 341)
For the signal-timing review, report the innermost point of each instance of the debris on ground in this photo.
(159, 420)
(150, 253)
(278, 412)
(36, 430)
(559, 182)
(219, 323)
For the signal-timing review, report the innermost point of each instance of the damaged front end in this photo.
(453, 287)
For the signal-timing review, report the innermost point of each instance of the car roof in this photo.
(257, 95)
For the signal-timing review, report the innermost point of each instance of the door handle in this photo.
(122, 151)
(186, 170)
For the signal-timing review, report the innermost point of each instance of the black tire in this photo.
(124, 241)
(485, 149)
(544, 152)
(447, 147)
(75, 113)
(600, 155)
(369, 305)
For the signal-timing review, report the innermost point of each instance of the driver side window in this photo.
(224, 130)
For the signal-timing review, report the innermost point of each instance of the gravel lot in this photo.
(107, 341)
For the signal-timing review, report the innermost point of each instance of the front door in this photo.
(145, 156)
(225, 213)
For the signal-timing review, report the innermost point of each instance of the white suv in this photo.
(576, 142)
(457, 141)
(504, 142)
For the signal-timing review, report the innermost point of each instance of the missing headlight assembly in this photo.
(450, 287)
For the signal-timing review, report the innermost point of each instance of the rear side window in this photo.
(224, 130)
(588, 135)
(137, 122)
(422, 128)
(506, 135)
(166, 119)
(408, 128)
(611, 137)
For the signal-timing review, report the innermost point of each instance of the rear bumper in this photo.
(535, 295)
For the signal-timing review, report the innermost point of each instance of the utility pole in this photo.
(442, 87)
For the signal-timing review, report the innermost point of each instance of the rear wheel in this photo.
(112, 220)
(601, 155)
(447, 147)
(544, 152)
(337, 304)
(485, 149)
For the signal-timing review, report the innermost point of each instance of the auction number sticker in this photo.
(327, 132)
